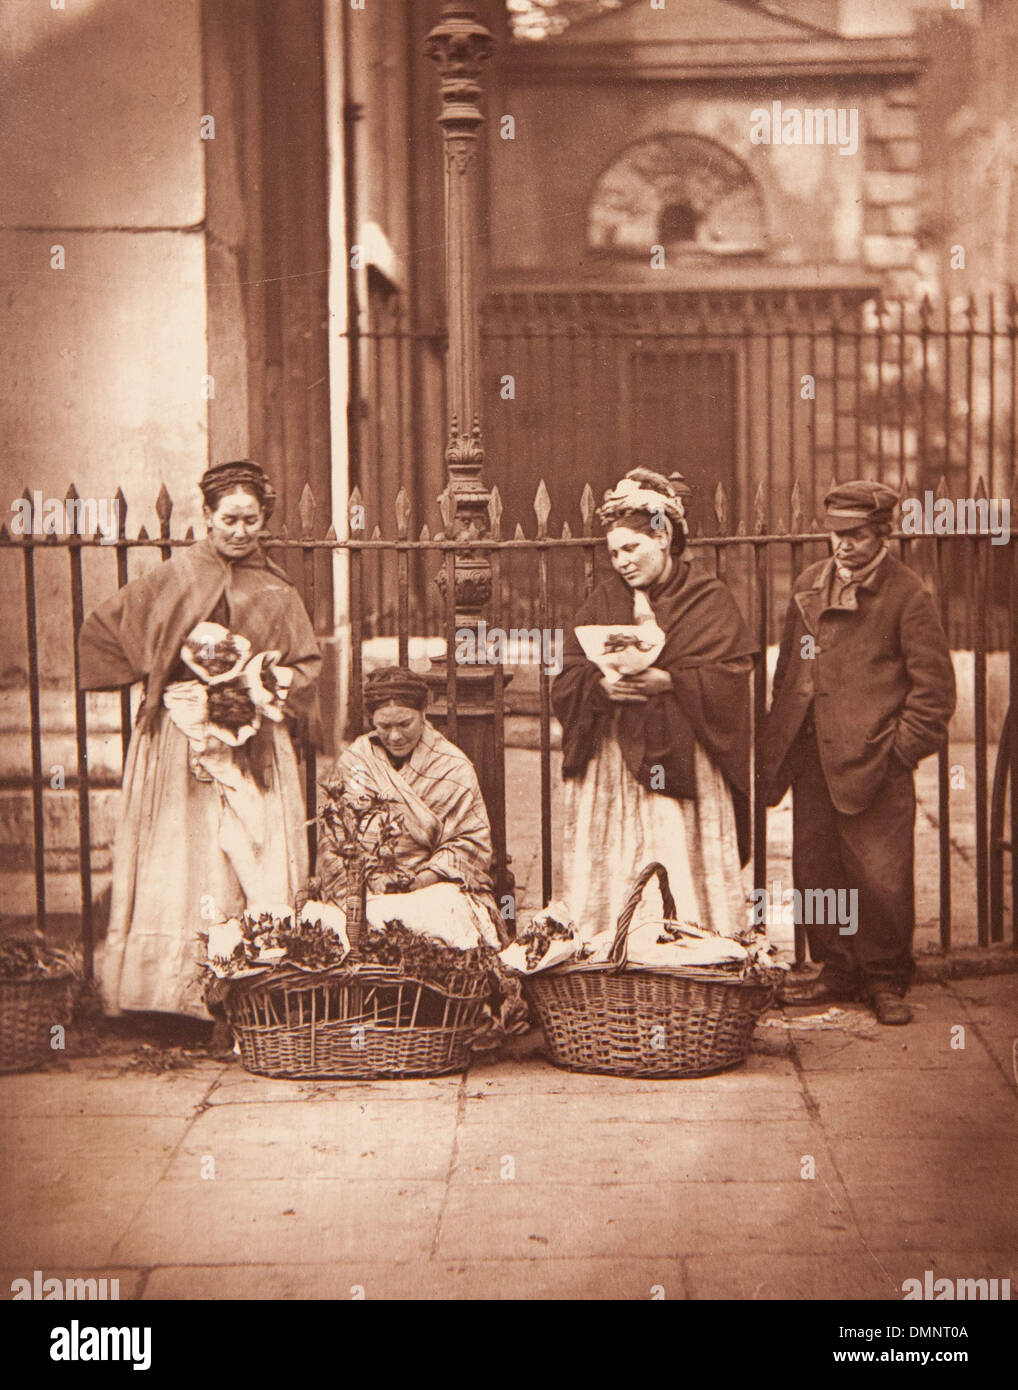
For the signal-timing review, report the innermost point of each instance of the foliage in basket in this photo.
(23, 960)
(313, 935)
(37, 988)
(271, 941)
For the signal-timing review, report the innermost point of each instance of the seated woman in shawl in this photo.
(213, 816)
(443, 854)
(656, 764)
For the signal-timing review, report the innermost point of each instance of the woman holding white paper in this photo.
(656, 761)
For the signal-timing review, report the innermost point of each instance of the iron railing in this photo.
(562, 570)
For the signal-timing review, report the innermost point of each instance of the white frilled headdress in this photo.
(633, 495)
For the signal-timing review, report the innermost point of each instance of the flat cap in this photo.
(854, 504)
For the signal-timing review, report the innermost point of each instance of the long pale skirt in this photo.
(614, 827)
(183, 859)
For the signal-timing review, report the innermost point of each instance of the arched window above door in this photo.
(682, 192)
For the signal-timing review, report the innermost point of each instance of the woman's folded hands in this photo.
(638, 688)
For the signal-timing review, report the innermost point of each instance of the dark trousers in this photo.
(872, 852)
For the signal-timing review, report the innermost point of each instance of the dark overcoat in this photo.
(878, 673)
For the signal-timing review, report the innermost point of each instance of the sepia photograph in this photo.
(507, 764)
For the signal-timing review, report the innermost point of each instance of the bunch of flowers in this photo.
(361, 827)
(537, 938)
(240, 689)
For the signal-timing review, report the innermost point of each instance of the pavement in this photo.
(842, 1159)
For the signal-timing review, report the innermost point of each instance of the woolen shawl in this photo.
(137, 633)
(709, 702)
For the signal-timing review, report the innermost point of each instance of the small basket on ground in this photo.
(29, 1010)
(632, 1020)
(361, 1021)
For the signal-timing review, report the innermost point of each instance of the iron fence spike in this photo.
(447, 508)
(495, 514)
(567, 531)
(306, 508)
(143, 533)
(542, 508)
(721, 506)
(518, 535)
(425, 532)
(330, 534)
(760, 509)
(72, 494)
(376, 534)
(164, 506)
(402, 514)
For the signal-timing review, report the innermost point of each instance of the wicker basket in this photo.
(363, 1021)
(642, 1020)
(29, 1009)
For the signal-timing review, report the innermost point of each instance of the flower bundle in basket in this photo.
(36, 995)
(631, 1019)
(313, 991)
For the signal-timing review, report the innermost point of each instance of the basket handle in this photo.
(619, 951)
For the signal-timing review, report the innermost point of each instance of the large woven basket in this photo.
(363, 1021)
(29, 1010)
(642, 1021)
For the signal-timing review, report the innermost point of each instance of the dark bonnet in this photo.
(394, 685)
(223, 478)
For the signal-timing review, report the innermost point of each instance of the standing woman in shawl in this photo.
(657, 764)
(212, 817)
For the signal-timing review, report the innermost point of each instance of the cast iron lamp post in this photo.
(461, 45)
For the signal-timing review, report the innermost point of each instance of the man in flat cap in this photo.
(863, 690)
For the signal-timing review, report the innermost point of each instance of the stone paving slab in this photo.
(605, 1153)
(74, 1221)
(917, 1211)
(528, 1279)
(258, 1220)
(351, 1140)
(657, 1219)
(237, 1087)
(991, 1011)
(875, 1103)
(84, 1090)
(48, 1149)
(853, 1274)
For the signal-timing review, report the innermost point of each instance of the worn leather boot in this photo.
(890, 1008)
